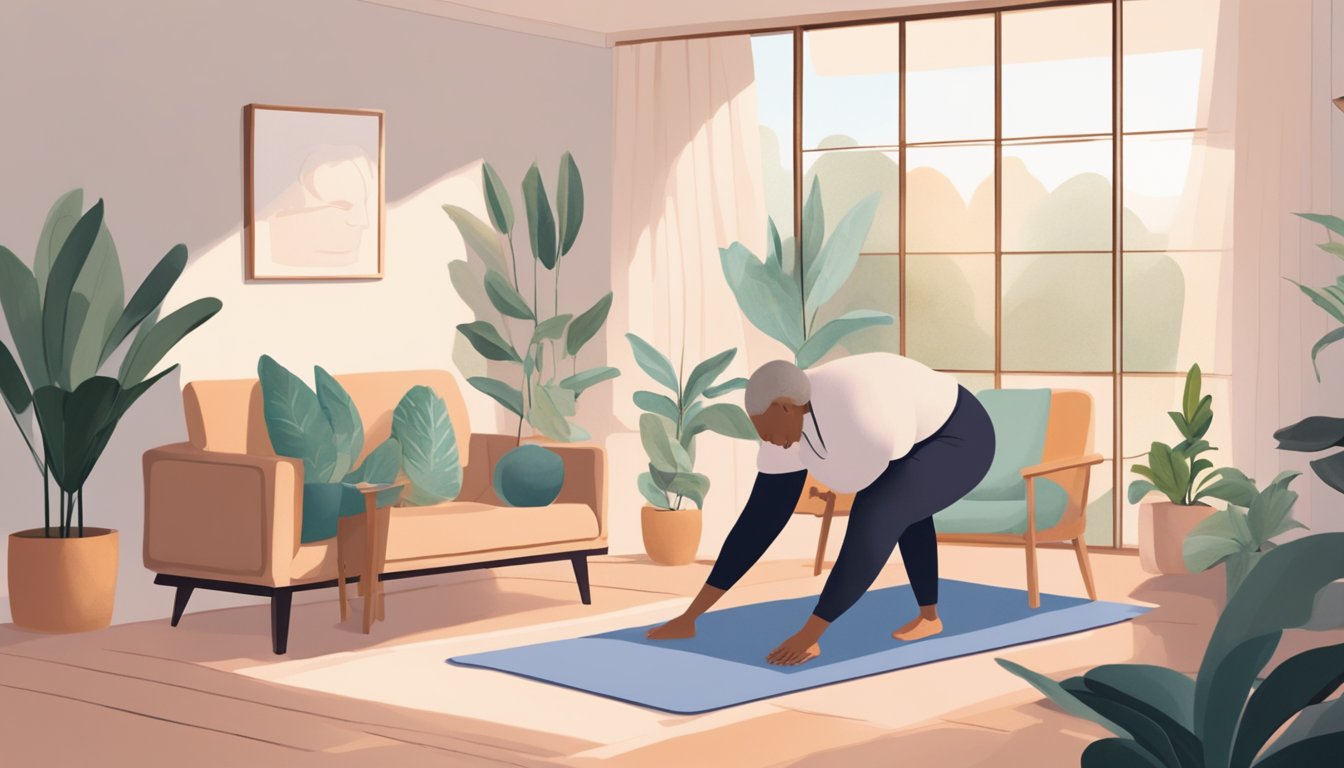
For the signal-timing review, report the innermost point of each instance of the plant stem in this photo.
(81, 513)
(513, 259)
(61, 526)
(46, 500)
(24, 432)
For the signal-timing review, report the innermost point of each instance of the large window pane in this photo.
(851, 86)
(1057, 312)
(1100, 507)
(1172, 305)
(949, 311)
(848, 176)
(949, 79)
(950, 200)
(772, 57)
(1057, 196)
(876, 284)
(1057, 71)
(1168, 65)
(1147, 401)
(1178, 192)
(975, 381)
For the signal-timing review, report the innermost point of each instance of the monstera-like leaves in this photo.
(295, 422)
(429, 454)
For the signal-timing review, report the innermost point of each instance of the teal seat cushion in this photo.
(1020, 417)
(1004, 515)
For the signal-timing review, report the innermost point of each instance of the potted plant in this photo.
(1240, 537)
(668, 429)
(546, 398)
(67, 315)
(1183, 478)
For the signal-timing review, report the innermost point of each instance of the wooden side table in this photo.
(375, 551)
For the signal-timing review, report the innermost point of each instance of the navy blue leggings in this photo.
(897, 508)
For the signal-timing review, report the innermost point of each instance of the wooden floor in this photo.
(147, 694)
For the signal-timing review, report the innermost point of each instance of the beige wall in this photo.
(141, 104)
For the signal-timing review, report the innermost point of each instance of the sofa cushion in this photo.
(460, 527)
(1004, 515)
(1020, 418)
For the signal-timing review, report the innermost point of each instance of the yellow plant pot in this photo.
(671, 536)
(62, 585)
(1163, 527)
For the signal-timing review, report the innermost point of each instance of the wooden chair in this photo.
(1066, 460)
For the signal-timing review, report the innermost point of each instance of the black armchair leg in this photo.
(281, 600)
(580, 563)
(180, 602)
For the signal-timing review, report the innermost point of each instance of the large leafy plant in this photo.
(1240, 536)
(1178, 472)
(782, 296)
(1321, 433)
(67, 316)
(323, 429)
(669, 426)
(1221, 718)
(546, 398)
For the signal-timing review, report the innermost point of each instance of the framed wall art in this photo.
(313, 193)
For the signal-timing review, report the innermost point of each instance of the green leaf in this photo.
(1332, 223)
(731, 385)
(690, 485)
(1336, 249)
(347, 428)
(586, 325)
(429, 455)
(504, 298)
(1062, 698)
(540, 220)
(60, 220)
(1269, 509)
(1314, 433)
(1170, 692)
(659, 404)
(380, 467)
(22, 305)
(75, 426)
(1171, 473)
(1137, 718)
(486, 339)
(768, 298)
(479, 237)
(1202, 552)
(295, 422)
(840, 254)
(652, 492)
(1193, 385)
(830, 334)
(568, 202)
(552, 405)
(100, 293)
(654, 363)
(1140, 488)
(323, 505)
(814, 229)
(1315, 721)
(704, 374)
(147, 298)
(1325, 341)
(1118, 753)
(166, 334)
(1331, 470)
(1324, 300)
(141, 332)
(774, 249)
(665, 453)
(505, 394)
(585, 379)
(726, 419)
(551, 328)
(12, 384)
(1299, 682)
(1321, 750)
(60, 287)
(1231, 486)
(497, 202)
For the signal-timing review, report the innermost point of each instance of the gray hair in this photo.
(777, 379)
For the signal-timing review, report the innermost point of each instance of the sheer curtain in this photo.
(688, 181)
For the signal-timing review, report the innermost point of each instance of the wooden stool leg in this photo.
(825, 533)
(370, 562)
(340, 584)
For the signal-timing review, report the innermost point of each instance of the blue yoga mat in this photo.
(724, 664)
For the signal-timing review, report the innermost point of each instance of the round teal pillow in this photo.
(529, 476)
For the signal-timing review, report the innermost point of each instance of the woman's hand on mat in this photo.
(679, 628)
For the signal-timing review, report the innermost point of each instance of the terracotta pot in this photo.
(1163, 527)
(671, 536)
(62, 585)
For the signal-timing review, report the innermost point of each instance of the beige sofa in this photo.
(223, 512)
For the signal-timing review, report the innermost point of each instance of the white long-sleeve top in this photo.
(867, 410)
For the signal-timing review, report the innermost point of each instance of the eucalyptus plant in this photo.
(1176, 472)
(782, 296)
(545, 398)
(68, 315)
(669, 426)
(1240, 536)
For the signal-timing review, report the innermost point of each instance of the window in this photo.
(998, 242)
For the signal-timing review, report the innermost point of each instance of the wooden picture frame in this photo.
(313, 193)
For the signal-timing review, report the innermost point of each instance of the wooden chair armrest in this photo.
(1051, 467)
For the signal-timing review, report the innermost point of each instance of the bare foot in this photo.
(679, 628)
(918, 629)
(794, 651)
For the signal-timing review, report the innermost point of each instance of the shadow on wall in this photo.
(141, 104)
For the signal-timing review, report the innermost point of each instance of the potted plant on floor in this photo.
(546, 397)
(1184, 479)
(668, 428)
(1239, 537)
(67, 315)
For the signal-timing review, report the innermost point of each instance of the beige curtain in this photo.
(687, 182)
(1288, 137)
